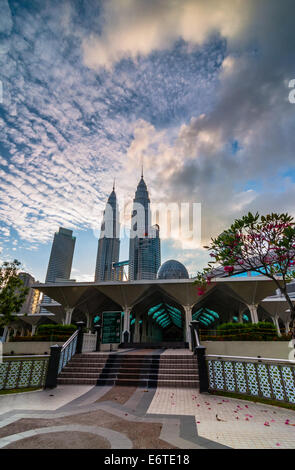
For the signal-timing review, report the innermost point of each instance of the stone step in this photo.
(97, 370)
(135, 356)
(132, 364)
(131, 370)
(122, 375)
(130, 382)
(160, 345)
(76, 381)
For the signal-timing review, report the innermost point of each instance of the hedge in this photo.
(262, 331)
(49, 332)
(58, 329)
(58, 338)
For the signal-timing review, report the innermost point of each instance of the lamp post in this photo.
(80, 325)
(200, 352)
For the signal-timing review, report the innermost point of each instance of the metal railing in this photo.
(196, 337)
(68, 350)
(253, 376)
(23, 371)
(89, 342)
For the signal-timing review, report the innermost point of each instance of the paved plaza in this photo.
(113, 417)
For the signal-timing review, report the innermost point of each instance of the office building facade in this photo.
(109, 242)
(61, 258)
(31, 304)
(144, 247)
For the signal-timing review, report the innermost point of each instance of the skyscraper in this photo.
(144, 247)
(109, 241)
(61, 258)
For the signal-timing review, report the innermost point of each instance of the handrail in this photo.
(70, 339)
(269, 359)
(68, 350)
(197, 338)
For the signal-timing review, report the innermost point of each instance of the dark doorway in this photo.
(172, 333)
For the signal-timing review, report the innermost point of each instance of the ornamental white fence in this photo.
(257, 377)
(89, 342)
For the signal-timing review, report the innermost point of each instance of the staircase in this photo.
(160, 345)
(146, 370)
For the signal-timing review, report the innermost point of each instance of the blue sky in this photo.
(196, 89)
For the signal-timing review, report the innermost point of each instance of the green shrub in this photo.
(58, 338)
(57, 329)
(262, 331)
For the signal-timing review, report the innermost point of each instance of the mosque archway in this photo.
(156, 318)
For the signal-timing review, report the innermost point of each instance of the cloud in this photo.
(65, 130)
(246, 138)
(6, 22)
(138, 27)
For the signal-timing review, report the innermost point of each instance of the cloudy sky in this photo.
(197, 89)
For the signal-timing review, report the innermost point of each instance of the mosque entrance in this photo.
(173, 333)
(157, 320)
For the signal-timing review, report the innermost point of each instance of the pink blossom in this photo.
(228, 269)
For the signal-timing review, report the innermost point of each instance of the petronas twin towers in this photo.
(144, 247)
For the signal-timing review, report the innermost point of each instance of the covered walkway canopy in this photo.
(166, 302)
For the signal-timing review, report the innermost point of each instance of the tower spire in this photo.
(114, 184)
(141, 167)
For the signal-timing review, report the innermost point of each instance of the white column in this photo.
(241, 311)
(136, 330)
(9, 330)
(276, 323)
(5, 334)
(253, 312)
(34, 329)
(68, 317)
(188, 319)
(88, 322)
(143, 336)
(126, 324)
(287, 327)
(150, 335)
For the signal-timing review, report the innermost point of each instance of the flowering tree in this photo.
(12, 291)
(263, 244)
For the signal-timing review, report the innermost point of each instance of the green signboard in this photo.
(111, 327)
